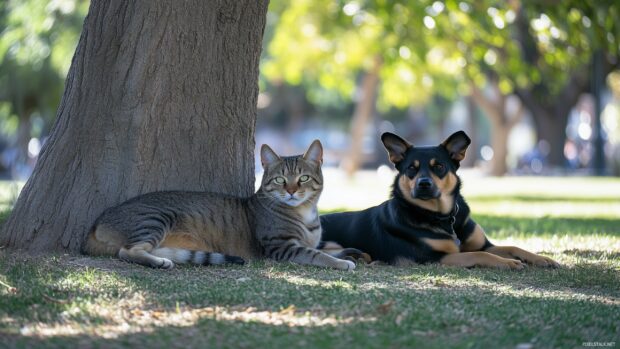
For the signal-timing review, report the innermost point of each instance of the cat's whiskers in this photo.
(271, 200)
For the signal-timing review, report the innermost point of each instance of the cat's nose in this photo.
(291, 190)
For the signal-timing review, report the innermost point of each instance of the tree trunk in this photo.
(550, 129)
(472, 125)
(161, 95)
(24, 133)
(502, 122)
(362, 116)
(499, 143)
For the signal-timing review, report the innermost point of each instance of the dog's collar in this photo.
(444, 221)
(453, 214)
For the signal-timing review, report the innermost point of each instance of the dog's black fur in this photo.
(395, 229)
(426, 219)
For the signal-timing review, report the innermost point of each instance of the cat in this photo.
(280, 221)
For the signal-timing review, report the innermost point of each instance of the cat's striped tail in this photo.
(182, 256)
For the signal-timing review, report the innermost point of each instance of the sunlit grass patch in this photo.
(9, 191)
(507, 207)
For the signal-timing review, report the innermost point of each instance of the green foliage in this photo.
(326, 44)
(36, 46)
(437, 47)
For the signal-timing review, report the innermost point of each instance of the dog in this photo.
(426, 220)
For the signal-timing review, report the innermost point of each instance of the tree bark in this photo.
(161, 95)
(362, 116)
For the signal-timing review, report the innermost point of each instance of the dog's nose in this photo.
(424, 183)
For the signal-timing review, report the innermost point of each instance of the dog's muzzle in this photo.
(425, 189)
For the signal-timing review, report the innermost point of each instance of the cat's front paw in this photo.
(164, 263)
(346, 265)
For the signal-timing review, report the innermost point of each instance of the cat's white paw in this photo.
(346, 265)
(166, 264)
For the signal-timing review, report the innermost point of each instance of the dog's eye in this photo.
(279, 180)
(411, 171)
(304, 178)
(438, 167)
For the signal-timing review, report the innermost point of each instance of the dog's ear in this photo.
(456, 145)
(268, 156)
(396, 146)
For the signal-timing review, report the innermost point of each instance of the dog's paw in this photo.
(511, 264)
(542, 261)
(364, 258)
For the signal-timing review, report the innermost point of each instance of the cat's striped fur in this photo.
(279, 221)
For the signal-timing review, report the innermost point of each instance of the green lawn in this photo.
(75, 301)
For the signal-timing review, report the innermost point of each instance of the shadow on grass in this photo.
(433, 316)
(45, 288)
(269, 285)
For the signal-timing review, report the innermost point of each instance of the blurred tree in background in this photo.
(402, 53)
(352, 60)
(37, 42)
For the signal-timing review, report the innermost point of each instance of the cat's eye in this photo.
(304, 178)
(279, 180)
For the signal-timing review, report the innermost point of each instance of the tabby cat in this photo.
(279, 221)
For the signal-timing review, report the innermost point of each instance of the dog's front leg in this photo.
(523, 255)
(482, 259)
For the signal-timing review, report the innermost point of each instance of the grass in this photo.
(9, 190)
(65, 301)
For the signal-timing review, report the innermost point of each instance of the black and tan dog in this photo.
(427, 219)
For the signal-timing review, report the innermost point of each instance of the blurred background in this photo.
(536, 84)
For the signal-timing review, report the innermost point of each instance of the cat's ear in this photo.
(396, 146)
(268, 156)
(456, 145)
(315, 152)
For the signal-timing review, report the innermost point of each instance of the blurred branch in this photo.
(531, 54)
(527, 98)
(487, 105)
(362, 116)
(576, 85)
(517, 116)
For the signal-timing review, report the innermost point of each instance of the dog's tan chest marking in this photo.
(475, 241)
(442, 245)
